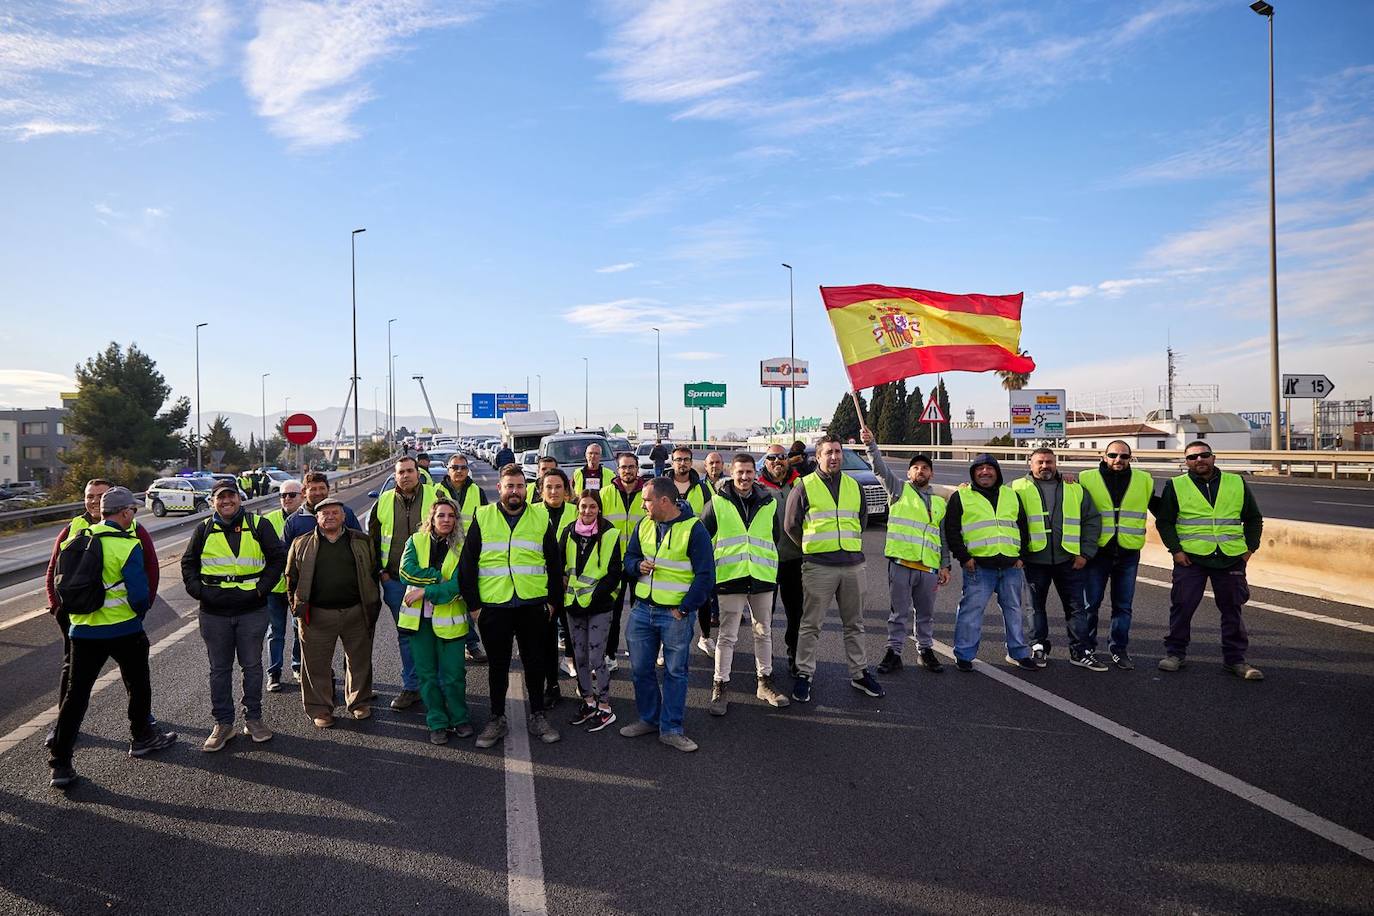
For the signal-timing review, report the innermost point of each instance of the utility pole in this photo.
(199, 464)
(353, 247)
(792, 349)
(264, 418)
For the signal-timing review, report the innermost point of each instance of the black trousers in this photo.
(559, 624)
(790, 594)
(64, 623)
(613, 636)
(88, 656)
(525, 626)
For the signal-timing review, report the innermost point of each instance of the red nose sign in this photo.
(300, 429)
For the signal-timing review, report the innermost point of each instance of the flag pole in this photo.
(854, 396)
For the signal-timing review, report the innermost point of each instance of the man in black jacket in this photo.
(230, 566)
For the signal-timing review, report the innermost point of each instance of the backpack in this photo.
(80, 576)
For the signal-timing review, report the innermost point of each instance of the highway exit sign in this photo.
(703, 394)
(1307, 386)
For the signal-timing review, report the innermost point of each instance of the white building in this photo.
(9, 451)
(1225, 432)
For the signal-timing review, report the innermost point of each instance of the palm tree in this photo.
(1014, 381)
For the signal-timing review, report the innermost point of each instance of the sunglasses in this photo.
(682, 458)
(291, 495)
(1197, 456)
(1124, 456)
(457, 467)
(774, 457)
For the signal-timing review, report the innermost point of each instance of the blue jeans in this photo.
(278, 622)
(1068, 584)
(393, 590)
(1121, 568)
(979, 587)
(649, 627)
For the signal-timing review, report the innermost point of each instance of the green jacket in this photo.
(418, 572)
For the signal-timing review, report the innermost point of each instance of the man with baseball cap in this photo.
(111, 628)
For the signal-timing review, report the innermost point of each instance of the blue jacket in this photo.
(139, 591)
(699, 551)
(303, 522)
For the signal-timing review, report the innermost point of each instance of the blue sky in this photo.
(543, 181)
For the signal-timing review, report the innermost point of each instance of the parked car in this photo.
(529, 463)
(570, 449)
(178, 494)
(618, 444)
(854, 465)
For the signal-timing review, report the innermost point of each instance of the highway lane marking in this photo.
(1291, 612)
(24, 618)
(524, 858)
(1327, 502)
(1348, 839)
(48, 716)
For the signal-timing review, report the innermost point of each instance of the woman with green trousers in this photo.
(437, 620)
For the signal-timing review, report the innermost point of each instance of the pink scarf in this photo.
(584, 530)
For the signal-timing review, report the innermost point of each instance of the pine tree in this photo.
(879, 406)
(915, 429)
(116, 414)
(891, 428)
(845, 422)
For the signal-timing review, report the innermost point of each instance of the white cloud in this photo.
(1109, 289)
(305, 67)
(33, 387)
(630, 316)
(80, 68)
(617, 268)
(715, 242)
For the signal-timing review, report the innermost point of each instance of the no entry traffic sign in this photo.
(300, 429)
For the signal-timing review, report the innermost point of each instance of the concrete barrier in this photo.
(1330, 562)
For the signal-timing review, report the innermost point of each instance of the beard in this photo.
(513, 501)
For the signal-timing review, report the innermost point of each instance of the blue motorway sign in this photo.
(483, 406)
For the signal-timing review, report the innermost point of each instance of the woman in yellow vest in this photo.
(591, 554)
(556, 497)
(437, 620)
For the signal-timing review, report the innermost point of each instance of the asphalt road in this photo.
(954, 792)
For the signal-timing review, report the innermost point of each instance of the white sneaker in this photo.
(611, 663)
(660, 657)
(569, 667)
(708, 646)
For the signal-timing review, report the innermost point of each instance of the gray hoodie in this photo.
(895, 486)
(1052, 498)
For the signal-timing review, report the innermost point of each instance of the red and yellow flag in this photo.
(887, 333)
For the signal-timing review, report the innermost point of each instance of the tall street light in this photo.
(199, 465)
(540, 379)
(353, 248)
(390, 393)
(586, 393)
(658, 361)
(792, 345)
(1267, 11)
(264, 418)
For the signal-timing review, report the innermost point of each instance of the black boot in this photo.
(930, 662)
(891, 662)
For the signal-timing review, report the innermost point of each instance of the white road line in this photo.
(1291, 612)
(1357, 843)
(524, 858)
(23, 618)
(48, 716)
(1327, 502)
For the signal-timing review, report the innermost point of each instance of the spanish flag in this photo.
(887, 333)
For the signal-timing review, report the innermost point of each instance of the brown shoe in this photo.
(219, 737)
(323, 721)
(362, 712)
(254, 729)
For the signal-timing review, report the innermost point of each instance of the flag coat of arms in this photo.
(887, 333)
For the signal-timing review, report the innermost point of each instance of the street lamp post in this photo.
(1267, 11)
(540, 380)
(390, 393)
(264, 418)
(199, 464)
(792, 348)
(658, 361)
(586, 393)
(353, 248)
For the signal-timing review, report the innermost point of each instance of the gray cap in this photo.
(329, 501)
(115, 499)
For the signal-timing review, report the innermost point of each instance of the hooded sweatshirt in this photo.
(954, 519)
(699, 551)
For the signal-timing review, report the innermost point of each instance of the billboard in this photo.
(488, 405)
(703, 394)
(1037, 413)
(779, 373)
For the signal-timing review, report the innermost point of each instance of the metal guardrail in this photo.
(67, 510)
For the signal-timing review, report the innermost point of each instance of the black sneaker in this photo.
(551, 697)
(600, 720)
(801, 689)
(1040, 655)
(868, 684)
(1086, 660)
(930, 661)
(963, 665)
(584, 714)
(1025, 664)
(1123, 660)
(274, 683)
(63, 775)
(891, 662)
(155, 741)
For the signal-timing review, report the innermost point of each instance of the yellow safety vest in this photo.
(742, 551)
(607, 476)
(278, 520)
(468, 509)
(386, 515)
(116, 544)
(1125, 522)
(75, 528)
(1204, 527)
(511, 563)
(567, 518)
(913, 534)
(988, 532)
(582, 584)
(667, 585)
(829, 526)
(220, 568)
(1038, 521)
(622, 510)
(450, 620)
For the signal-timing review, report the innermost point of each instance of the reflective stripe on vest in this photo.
(1038, 520)
(623, 510)
(667, 585)
(582, 584)
(74, 530)
(604, 479)
(511, 563)
(1125, 522)
(913, 534)
(278, 520)
(828, 526)
(1204, 527)
(116, 544)
(386, 516)
(450, 620)
(567, 518)
(220, 568)
(742, 551)
(988, 532)
(468, 509)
